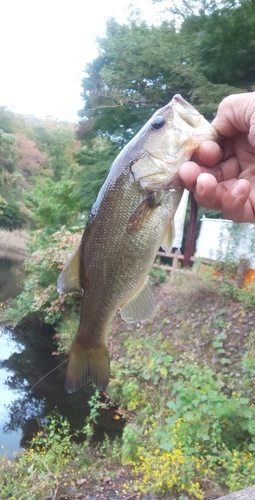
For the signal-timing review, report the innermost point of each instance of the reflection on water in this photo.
(10, 276)
(25, 358)
(9, 443)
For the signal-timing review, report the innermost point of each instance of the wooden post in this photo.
(175, 263)
(242, 268)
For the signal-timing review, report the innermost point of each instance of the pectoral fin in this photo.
(69, 279)
(140, 307)
(143, 212)
(168, 239)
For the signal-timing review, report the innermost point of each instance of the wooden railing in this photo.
(176, 256)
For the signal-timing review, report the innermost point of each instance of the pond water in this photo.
(9, 442)
(26, 356)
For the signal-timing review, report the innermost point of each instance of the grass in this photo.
(185, 383)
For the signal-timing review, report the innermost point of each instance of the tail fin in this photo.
(87, 365)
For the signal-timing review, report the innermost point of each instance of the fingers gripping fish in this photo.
(130, 219)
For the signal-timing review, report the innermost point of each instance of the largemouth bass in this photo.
(130, 219)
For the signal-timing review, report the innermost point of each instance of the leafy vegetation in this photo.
(139, 68)
(191, 425)
(40, 295)
(45, 467)
(190, 429)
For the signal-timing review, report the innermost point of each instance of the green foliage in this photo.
(54, 439)
(131, 442)
(132, 379)
(231, 30)
(94, 403)
(10, 215)
(141, 67)
(11, 122)
(53, 462)
(94, 162)
(200, 432)
(129, 79)
(45, 466)
(57, 140)
(163, 472)
(245, 296)
(158, 275)
(189, 426)
(54, 204)
(7, 155)
(34, 151)
(42, 268)
(207, 417)
(6, 120)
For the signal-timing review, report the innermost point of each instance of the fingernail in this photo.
(237, 190)
(199, 188)
(202, 157)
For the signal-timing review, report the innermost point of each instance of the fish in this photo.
(133, 216)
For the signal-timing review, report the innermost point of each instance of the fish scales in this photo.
(119, 261)
(131, 218)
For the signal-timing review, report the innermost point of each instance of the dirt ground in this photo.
(191, 311)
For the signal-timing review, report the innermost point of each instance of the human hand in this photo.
(223, 177)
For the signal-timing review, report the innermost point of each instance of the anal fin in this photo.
(140, 307)
(168, 238)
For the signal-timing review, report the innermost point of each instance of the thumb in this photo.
(236, 113)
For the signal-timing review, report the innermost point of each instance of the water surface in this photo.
(27, 396)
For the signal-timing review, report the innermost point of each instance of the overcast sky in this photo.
(45, 45)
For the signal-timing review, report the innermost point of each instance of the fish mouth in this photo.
(178, 98)
(186, 111)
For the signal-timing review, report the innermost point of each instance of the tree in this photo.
(67, 202)
(6, 120)
(10, 215)
(129, 79)
(7, 156)
(30, 161)
(58, 142)
(224, 44)
(189, 8)
(140, 68)
(94, 162)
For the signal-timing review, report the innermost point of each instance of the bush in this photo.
(10, 215)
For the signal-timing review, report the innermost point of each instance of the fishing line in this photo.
(56, 367)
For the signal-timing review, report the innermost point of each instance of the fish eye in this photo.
(157, 123)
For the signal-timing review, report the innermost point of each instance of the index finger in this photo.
(208, 154)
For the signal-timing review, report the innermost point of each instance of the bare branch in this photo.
(133, 101)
